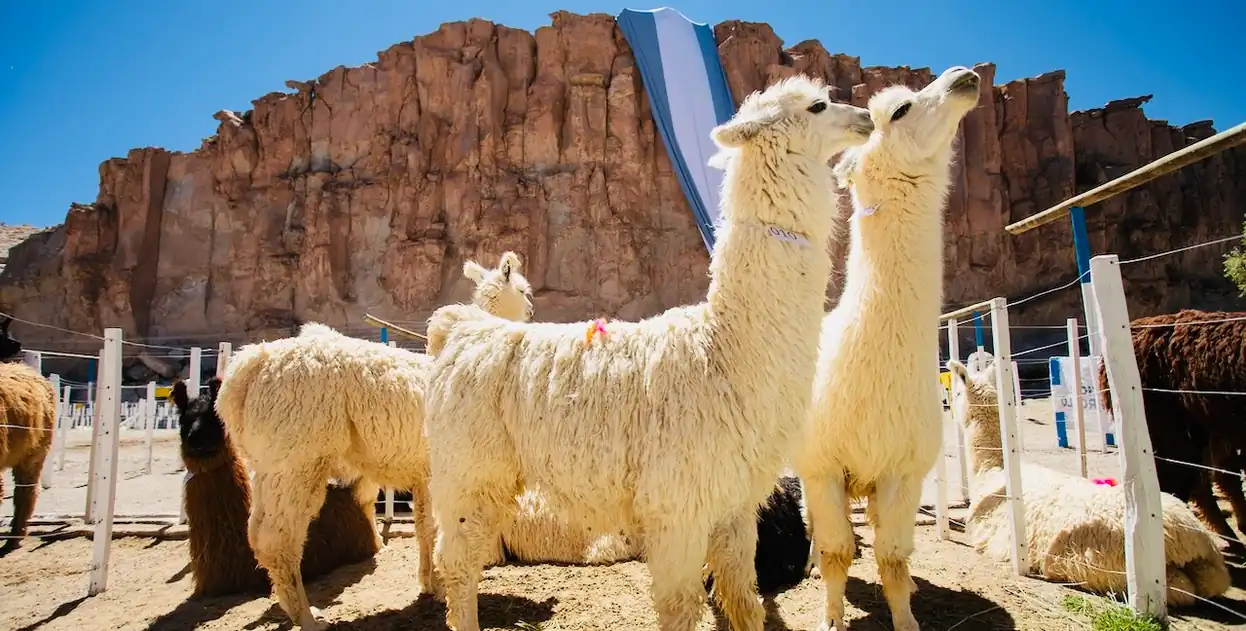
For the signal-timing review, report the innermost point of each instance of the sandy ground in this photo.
(44, 583)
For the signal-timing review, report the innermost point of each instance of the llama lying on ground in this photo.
(877, 431)
(10, 349)
(321, 405)
(1075, 528)
(676, 426)
(1176, 352)
(218, 497)
(27, 419)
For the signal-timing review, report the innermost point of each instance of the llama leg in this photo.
(469, 520)
(283, 504)
(1231, 486)
(425, 536)
(1205, 501)
(365, 494)
(732, 547)
(829, 517)
(893, 509)
(675, 555)
(25, 492)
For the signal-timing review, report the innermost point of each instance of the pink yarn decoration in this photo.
(1105, 481)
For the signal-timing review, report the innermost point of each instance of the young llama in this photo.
(1075, 528)
(321, 405)
(877, 419)
(676, 426)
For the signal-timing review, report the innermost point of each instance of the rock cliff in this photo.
(364, 189)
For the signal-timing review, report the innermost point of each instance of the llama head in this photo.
(974, 398)
(202, 432)
(913, 132)
(502, 291)
(9, 347)
(793, 116)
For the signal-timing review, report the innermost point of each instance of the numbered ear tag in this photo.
(787, 235)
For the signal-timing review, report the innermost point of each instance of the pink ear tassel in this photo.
(1105, 481)
(595, 327)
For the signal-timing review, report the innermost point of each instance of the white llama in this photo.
(675, 426)
(320, 405)
(877, 420)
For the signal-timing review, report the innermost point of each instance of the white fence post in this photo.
(942, 527)
(1008, 427)
(105, 478)
(34, 359)
(149, 415)
(1144, 526)
(194, 371)
(953, 347)
(93, 399)
(45, 478)
(1075, 387)
(389, 490)
(63, 427)
(222, 358)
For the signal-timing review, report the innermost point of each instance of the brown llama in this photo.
(218, 500)
(1194, 350)
(27, 419)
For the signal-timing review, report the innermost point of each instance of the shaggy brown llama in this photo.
(1176, 351)
(218, 499)
(27, 419)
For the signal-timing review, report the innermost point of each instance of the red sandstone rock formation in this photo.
(364, 190)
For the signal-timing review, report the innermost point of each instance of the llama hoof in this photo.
(313, 620)
(834, 625)
(906, 625)
(814, 573)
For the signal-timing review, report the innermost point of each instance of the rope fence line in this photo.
(1236, 237)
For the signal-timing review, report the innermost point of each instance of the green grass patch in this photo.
(1108, 615)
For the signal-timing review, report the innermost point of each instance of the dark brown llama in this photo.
(27, 419)
(1177, 351)
(218, 500)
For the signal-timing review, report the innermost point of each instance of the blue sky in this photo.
(83, 81)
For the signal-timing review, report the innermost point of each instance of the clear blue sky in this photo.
(83, 81)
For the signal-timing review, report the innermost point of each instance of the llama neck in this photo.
(770, 265)
(895, 255)
(986, 445)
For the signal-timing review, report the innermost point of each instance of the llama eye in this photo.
(898, 114)
(818, 107)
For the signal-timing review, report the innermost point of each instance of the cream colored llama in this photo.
(321, 405)
(877, 420)
(1075, 528)
(675, 426)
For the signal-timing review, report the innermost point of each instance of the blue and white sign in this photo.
(1062, 399)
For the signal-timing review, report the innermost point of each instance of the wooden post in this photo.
(1144, 525)
(93, 399)
(953, 347)
(1075, 387)
(45, 478)
(222, 358)
(194, 372)
(389, 490)
(942, 529)
(64, 427)
(1008, 427)
(149, 416)
(105, 478)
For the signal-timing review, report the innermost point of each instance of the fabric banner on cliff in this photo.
(688, 93)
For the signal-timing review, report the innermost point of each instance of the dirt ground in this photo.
(44, 583)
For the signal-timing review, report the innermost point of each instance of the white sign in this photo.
(1062, 399)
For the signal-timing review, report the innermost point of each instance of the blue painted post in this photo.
(1062, 431)
(1081, 246)
(977, 330)
(384, 334)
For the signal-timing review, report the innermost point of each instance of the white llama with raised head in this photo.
(877, 419)
(320, 405)
(677, 425)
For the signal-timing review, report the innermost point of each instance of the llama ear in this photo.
(474, 271)
(214, 386)
(180, 399)
(989, 374)
(509, 263)
(744, 127)
(958, 370)
(845, 167)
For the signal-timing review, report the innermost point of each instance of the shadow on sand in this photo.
(322, 593)
(935, 607)
(495, 610)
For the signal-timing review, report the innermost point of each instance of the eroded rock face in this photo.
(366, 188)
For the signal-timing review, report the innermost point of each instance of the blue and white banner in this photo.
(689, 96)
